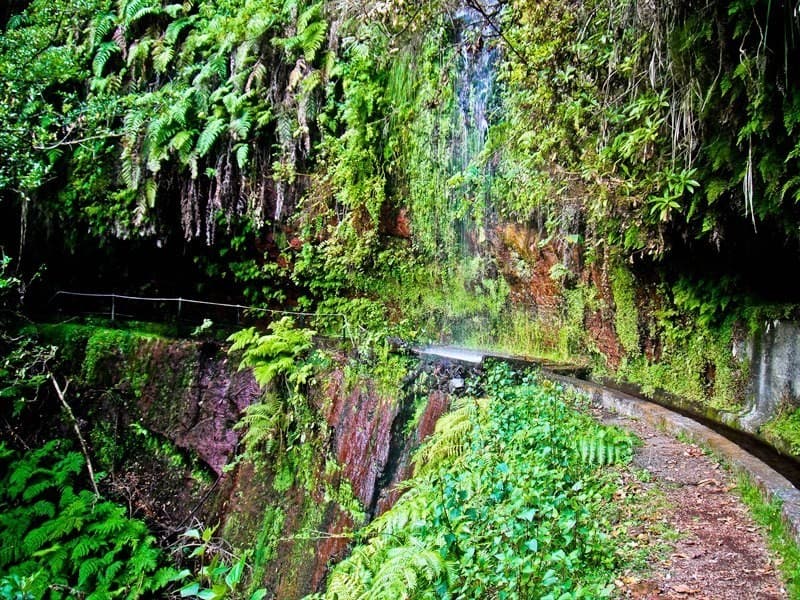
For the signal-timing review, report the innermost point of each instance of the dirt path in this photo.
(720, 552)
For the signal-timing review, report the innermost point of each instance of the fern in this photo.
(240, 126)
(311, 31)
(68, 537)
(104, 53)
(177, 27)
(102, 25)
(311, 39)
(452, 434)
(607, 447)
(183, 143)
(242, 155)
(265, 423)
(209, 136)
(162, 56)
(136, 10)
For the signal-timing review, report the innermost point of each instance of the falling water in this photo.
(475, 113)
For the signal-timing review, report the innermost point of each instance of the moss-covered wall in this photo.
(735, 366)
(159, 414)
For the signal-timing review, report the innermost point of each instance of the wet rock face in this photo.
(362, 429)
(774, 358)
(193, 396)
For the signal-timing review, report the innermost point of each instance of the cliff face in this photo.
(160, 415)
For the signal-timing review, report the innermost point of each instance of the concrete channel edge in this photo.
(772, 484)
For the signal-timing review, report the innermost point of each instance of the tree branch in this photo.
(66, 142)
(476, 5)
(62, 396)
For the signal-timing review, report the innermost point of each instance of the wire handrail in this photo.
(180, 301)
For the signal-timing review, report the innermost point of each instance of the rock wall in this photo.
(173, 406)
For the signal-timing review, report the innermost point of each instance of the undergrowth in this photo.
(781, 544)
(511, 498)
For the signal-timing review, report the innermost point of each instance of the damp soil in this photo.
(708, 548)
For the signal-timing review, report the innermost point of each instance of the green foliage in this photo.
(783, 431)
(781, 541)
(275, 354)
(693, 361)
(62, 541)
(284, 420)
(506, 507)
(626, 313)
(217, 574)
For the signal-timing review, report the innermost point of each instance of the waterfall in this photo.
(476, 111)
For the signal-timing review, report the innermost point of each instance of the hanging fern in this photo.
(209, 136)
(136, 10)
(104, 53)
(242, 155)
(101, 26)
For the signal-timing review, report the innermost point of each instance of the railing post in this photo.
(113, 306)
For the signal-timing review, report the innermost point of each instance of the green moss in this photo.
(101, 354)
(342, 494)
(695, 363)
(784, 430)
(265, 548)
(626, 315)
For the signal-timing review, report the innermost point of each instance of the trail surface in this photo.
(720, 553)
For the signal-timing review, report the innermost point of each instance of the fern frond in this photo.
(104, 53)
(240, 126)
(451, 436)
(604, 448)
(136, 10)
(139, 52)
(89, 568)
(210, 135)
(264, 423)
(101, 26)
(175, 28)
(183, 143)
(162, 56)
(84, 546)
(242, 156)
(311, 39)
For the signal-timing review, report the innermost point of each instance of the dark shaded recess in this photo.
(9, 8)
(79, 261)
(761, 265)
